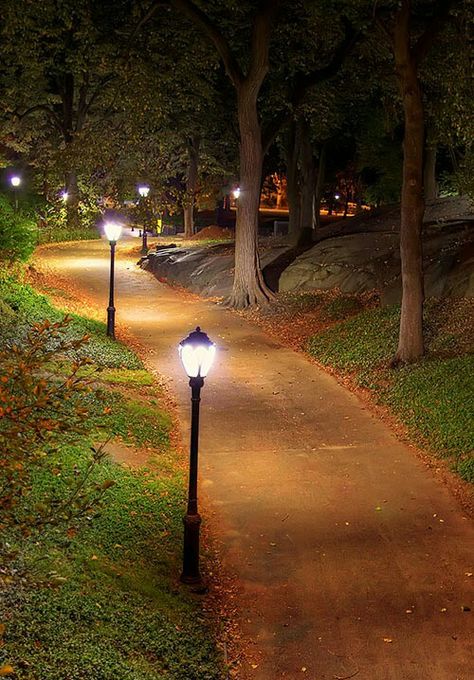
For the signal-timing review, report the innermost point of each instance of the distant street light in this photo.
(197, 354)
(112, 231)
(15, 181)
(144, 190)
(64, 196)
(236, 193)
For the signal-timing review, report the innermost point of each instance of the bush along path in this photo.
(351, 558)
(90, 549)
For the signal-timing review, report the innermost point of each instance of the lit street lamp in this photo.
(15, 181)
(112, 231)
(197, 354)
(144, 190)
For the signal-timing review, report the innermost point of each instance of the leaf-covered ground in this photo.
(356, 338)
(98, 598)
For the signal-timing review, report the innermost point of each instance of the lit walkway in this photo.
(352, 559)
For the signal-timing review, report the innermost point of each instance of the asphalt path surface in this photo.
(352, 558)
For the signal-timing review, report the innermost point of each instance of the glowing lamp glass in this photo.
(236, 192)
(143, 191)
(15, 181)
(197, 354)
(113, 231)
(64, 196)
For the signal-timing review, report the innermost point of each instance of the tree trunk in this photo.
(307, 184)
(72, 203)
(410, 343)
(293, 187)
(191, 185)
(318, 191)
(249, 287)
(429, 173)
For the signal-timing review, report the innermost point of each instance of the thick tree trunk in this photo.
(191, 185)
(249, 287)
(307, 183)
(429, 173)
(410, 344)
(293, 187)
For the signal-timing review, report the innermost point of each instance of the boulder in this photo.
(363, 262)
(207, 270)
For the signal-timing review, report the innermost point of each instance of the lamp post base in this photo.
(111, 322)
(191, 574)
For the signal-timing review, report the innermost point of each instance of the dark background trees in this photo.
(187, 95)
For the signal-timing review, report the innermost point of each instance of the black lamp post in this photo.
(144, 190)
(197, 354)
(112, 231)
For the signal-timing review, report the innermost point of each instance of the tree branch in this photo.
(97, 91)
(261, 41)
(207, 26)
(46, 109)
(425, 41)
(303, 82)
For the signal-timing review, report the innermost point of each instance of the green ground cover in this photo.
(59, 234)
(434, 398)
(97, 597)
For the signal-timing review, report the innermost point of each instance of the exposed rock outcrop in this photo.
(355, 255)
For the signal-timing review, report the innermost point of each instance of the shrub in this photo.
(38, 412)
(18, 233)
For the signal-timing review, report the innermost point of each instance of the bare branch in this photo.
(207, 26)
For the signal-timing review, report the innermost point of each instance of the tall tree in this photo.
(247, 66)
(249, 287)
(410, 46)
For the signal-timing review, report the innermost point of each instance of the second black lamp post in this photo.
(112, 232)
(144, 190)
(197, 354)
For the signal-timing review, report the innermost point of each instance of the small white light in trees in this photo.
(143, 190)
(112, 231)
(64, 196)
(15, 180)
(197, 354)
(236, 193)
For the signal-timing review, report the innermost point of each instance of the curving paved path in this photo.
(353, 560)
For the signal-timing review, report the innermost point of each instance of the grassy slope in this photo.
(433, 398)
(98, 599)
